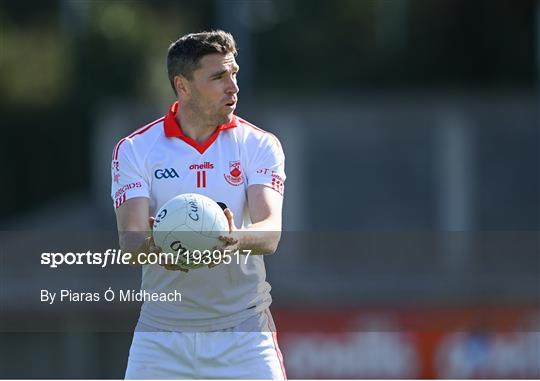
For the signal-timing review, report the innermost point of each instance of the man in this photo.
(222, 327)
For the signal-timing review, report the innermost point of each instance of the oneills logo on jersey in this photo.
(201, 172)
(235, 176)
(205, 165)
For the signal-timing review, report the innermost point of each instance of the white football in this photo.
(188, 226)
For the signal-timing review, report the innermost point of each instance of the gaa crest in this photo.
(235, 176)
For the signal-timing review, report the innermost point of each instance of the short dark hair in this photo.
(185, 53)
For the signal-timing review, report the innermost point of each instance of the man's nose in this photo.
(232, 86)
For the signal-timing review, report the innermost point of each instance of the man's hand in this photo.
(229, 242)
(264, 233)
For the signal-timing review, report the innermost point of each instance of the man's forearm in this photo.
(133, 242)
(261, 238)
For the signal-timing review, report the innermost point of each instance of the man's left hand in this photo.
(229, 242)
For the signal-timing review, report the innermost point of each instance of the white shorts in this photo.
(247, 351)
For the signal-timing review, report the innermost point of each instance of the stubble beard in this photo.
(203, 117)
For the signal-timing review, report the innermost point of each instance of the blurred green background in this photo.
(60, 60)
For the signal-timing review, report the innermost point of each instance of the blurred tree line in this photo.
(60, 60)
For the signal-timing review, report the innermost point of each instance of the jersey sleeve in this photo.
(268, 165)
(128, 180)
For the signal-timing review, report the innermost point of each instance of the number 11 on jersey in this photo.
(201, 179)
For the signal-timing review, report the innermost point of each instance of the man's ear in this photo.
(181, 84)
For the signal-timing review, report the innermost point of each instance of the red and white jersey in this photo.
(159, 162)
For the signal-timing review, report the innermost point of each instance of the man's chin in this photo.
(226, 119)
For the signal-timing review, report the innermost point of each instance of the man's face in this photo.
(214, 91)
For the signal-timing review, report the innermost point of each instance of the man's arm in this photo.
(134, 231)
(263, 235)
(132, 223)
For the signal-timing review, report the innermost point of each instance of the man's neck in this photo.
(193, 127)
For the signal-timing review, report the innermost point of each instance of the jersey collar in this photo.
(174, 130)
